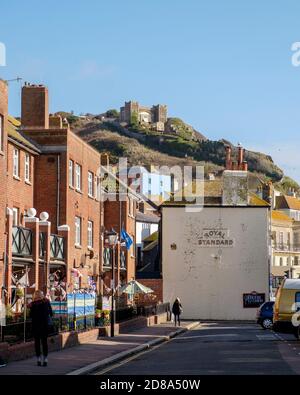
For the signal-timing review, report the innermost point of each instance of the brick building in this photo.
(66, 182)
(120, 208)
(3, 171)
(54, 222)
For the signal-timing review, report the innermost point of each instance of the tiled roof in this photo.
(151, 218)
(152, 237)
(287, 202)
(12, 130)
(255, 200)
(280, 216)
(150, 246)
(213, 190)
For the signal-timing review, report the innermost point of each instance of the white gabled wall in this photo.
(210, 281)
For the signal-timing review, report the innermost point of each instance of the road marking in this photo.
(121, 363)
(266, 337)
(200, 336)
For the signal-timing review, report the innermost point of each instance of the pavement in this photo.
(88, 357)
(217, 348)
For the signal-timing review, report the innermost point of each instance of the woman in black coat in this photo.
(40, 313)
(177, 310)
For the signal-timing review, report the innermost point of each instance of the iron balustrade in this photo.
(107, 257)
(21, 241)
(42, 244)
(286, 247)
(122, 260)
(57, 247)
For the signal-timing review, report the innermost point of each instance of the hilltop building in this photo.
(155, 116)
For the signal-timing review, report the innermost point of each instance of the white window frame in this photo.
(98, 186)
(71, 173)
(78, 177)
(16, 162)
(16, 216)
(27, 169)
(90, 184)
(78, 226)
(90, 234)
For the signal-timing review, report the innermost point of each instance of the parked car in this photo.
(265, 315)
(287, 304)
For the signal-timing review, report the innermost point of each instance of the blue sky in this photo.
(223, 66)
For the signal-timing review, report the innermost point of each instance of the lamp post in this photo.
(112, 241)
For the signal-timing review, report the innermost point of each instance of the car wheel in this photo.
(267, 323)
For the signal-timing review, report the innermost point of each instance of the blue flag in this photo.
(128, 240)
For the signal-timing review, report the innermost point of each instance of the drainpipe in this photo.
(58, 193)
(3, 285)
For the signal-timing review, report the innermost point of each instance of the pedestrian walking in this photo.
(177, 310)
(40, 313)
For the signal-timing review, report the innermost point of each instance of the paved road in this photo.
(218, 348)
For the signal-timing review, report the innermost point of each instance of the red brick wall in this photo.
(156, 285)
(46, 182)
(112, 219)
(19, 192)
(80, 204)
(3, 164)
(35, 112)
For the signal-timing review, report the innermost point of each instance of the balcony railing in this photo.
(42, 244)
(122, 260)
(21, 241)
(107, 257)
(286, 247)
(57, 247)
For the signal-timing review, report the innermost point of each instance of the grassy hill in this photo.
(184, 146)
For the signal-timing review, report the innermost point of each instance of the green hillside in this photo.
(184, 146)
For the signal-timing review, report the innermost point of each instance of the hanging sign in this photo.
(253, 299)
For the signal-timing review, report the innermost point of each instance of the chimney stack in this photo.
(240, 157)
(228, 158)
(240, 164)
(244, 166)
(35, 107)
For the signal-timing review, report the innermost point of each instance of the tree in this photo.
(113, 113)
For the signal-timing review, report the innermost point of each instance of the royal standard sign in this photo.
(215, 237)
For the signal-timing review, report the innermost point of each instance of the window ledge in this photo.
(28, 183)
(79, 191)
(91, 196)
(71, 187)
(78, 246)
(17, 178)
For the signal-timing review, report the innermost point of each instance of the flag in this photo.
(128, 240)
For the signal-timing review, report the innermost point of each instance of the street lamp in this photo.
(112, 238)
